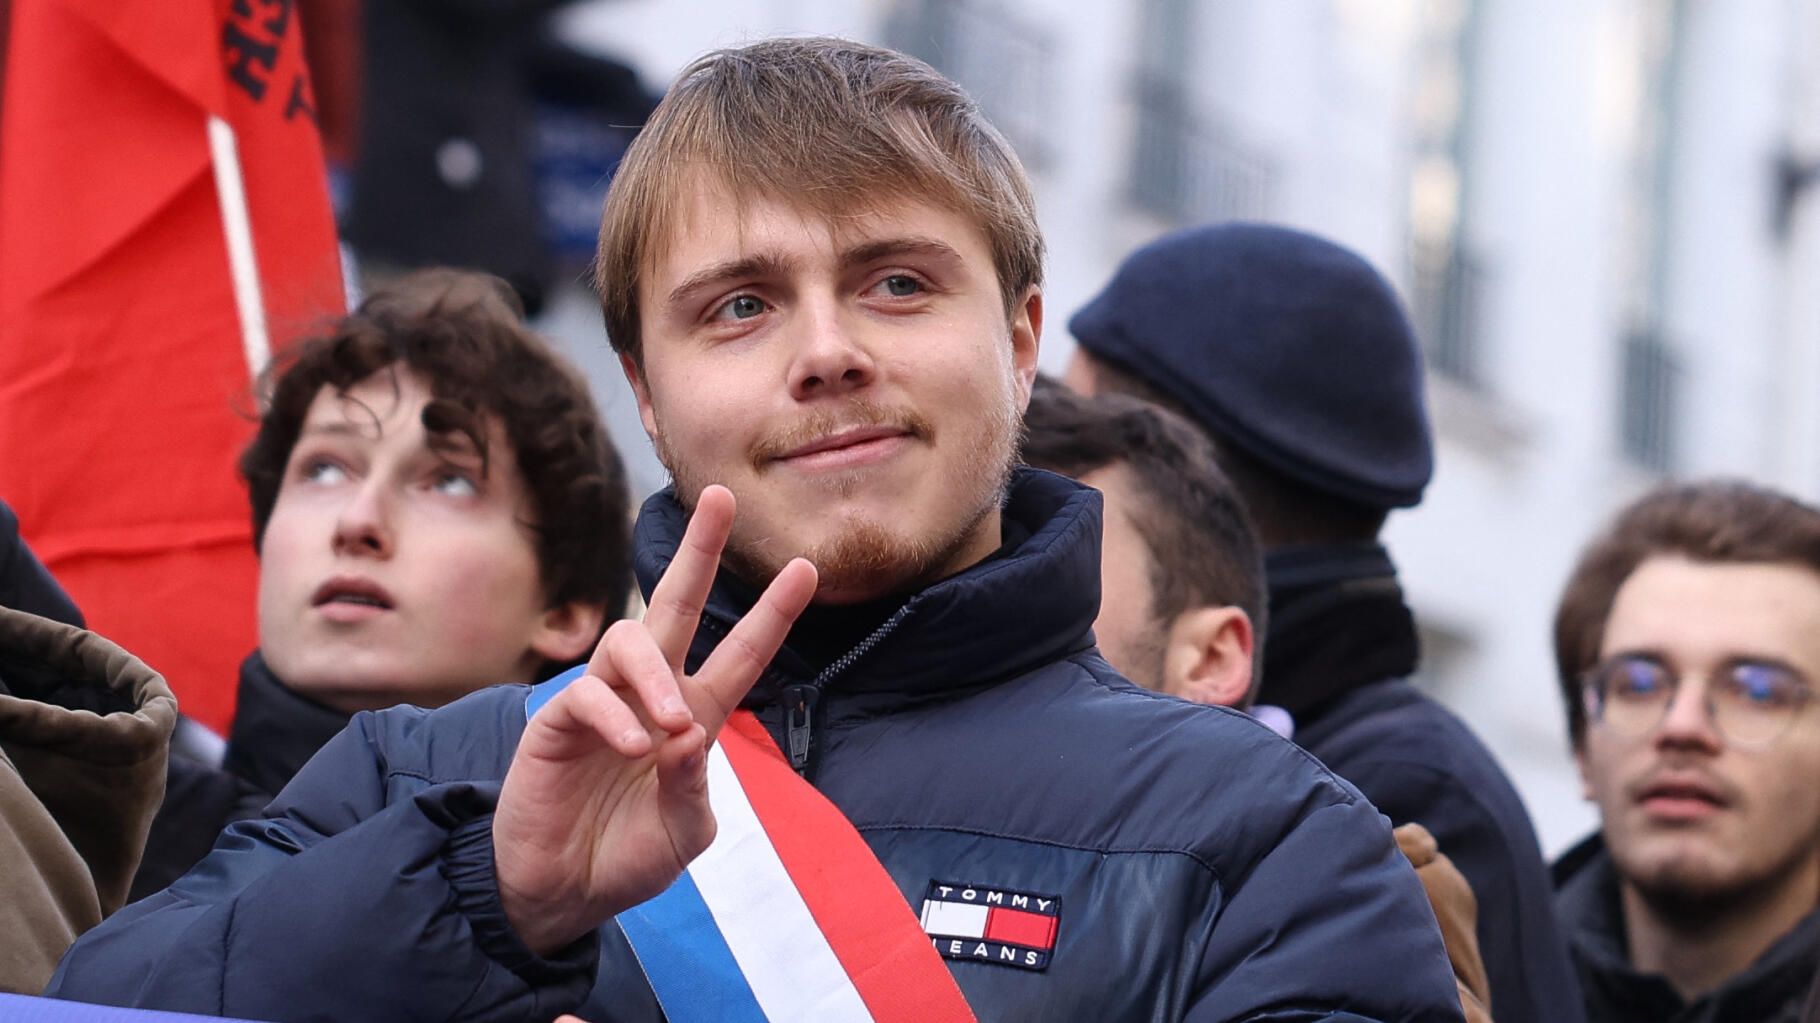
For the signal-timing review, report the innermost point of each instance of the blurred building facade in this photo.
(1605, 215)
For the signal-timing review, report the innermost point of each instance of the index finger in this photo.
(715, 690)
(676, 602)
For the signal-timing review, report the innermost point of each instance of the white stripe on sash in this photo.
(792, 970)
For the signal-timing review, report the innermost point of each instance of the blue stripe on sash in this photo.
(545, 691)
(678, 944)
(21, 1009)
(686, 960)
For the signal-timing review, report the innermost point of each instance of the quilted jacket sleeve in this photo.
(342, 904)
(1332, 925)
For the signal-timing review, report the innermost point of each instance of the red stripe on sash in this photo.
(860, 910)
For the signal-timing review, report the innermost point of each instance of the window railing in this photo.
(1005, 61)
(1449, 283)
(1651, 384)
(1188, 167)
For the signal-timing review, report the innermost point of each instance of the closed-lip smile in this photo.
(846, 449)
(843, 439)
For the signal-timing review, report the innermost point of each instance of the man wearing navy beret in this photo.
(1296, 358)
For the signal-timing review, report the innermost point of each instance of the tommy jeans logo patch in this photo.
(991, 925)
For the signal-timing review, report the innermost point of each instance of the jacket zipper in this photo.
(802, 700)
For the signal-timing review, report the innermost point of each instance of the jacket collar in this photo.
(1027, 606)
(276, 730)
(1337, 622)
(1587, 900)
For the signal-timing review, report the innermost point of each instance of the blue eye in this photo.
(456, 484)
(1762, 685)
(901, 285)
(1638, 679)
(324, 471)
(740, 307)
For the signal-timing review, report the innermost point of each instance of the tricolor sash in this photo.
(787, 915)
(26, 1009)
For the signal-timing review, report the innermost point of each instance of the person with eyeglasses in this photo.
(1687, 643)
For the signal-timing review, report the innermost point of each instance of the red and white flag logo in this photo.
(995, 925)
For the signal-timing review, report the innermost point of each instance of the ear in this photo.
(641, 392)
(1207, 657)
(1586, 791)
(1026, 339)
(567, 631)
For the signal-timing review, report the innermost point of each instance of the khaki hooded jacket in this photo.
(85, 730)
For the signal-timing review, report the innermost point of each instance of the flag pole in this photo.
(243, 264)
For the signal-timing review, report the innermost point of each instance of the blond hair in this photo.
(827, 125)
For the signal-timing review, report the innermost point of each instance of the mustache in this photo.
(857, 414)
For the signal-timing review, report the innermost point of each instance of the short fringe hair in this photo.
(830, 126)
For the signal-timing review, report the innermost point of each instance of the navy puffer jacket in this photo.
(1206, 869)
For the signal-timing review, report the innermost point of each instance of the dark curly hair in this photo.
(463, 334)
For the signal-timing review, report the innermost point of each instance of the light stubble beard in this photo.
(863, 557)
(1689, 895)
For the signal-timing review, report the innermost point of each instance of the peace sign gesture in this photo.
(606, 800)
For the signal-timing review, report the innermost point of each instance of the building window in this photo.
(1187, 165)
(1446, 311)
(1005, 60)
(1650, 377)
(1447, 273)
(1647, 420)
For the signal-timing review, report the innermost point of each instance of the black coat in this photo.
(275, 732)
(1772, 990)
(1341, 640)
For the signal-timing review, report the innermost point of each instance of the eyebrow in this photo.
(1664, 659)
(342, 428)
(447, 443)
(762, 265)
(872, 252)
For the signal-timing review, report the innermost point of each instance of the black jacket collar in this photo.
(1772, 989)
(1029, 606)
(276, 731)
(1337, 622)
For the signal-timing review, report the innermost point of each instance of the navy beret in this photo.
(1281, 344)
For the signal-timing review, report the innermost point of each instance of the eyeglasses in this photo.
(1752, 703)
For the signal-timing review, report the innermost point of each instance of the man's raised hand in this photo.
(606, 800)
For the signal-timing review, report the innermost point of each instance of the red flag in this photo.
(164, 222)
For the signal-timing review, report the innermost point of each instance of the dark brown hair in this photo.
(1721, 521)
(826, 125)
(1204, 551)
(462, 333)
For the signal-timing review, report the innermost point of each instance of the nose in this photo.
(1687, 722)
(363, 527)
(829, 358)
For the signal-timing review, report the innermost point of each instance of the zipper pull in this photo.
(799, 722)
